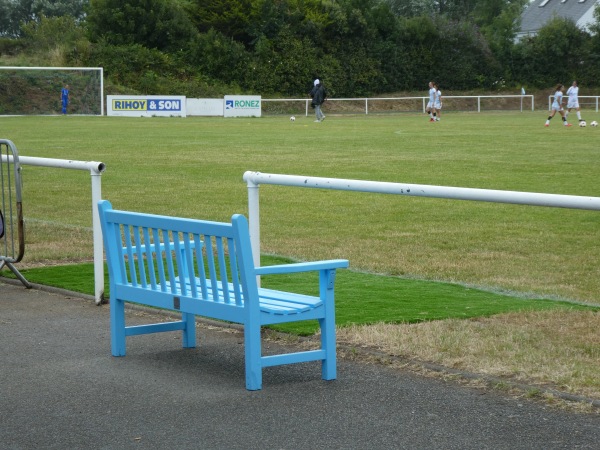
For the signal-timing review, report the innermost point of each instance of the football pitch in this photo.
(193, 167)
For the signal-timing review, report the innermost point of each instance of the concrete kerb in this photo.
(347, 351)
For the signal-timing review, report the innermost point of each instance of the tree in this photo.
(218, 57)
(228, 17)
(499, 21)
(412, 8)
(59, 8)
(59, 38)
(15, 13)
(156, 24)
(557, 54)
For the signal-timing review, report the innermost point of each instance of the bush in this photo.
(11, 47)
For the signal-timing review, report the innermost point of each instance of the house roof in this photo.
(539, 12)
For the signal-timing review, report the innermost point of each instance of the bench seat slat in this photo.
(280, 302)
(290, 297)
(271, 302)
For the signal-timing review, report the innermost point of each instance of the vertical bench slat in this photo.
(200, 264)
(223, 270)
(190, 275)
(169, 258)
(235, 276)
(140, 258)
(181, 269)
(132, 272)
(149, 258)
(212, 272)
(121, 256)
(159, 260)
(121, 274)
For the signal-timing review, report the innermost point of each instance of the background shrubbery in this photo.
(275, 47)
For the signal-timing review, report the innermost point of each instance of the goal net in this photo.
(37, 90)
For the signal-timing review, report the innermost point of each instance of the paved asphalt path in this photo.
(61, 389)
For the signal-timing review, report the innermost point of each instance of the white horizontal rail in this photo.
(49, 68)
(423, 100)
(255, 179)
(95, 168)
(595, 101)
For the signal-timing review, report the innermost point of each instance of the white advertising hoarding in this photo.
(146, 105)
(242, 106)
(204, 107)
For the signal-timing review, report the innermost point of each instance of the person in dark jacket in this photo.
(319, 95)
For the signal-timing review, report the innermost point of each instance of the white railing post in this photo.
(97, 236)
(95, 168)
(253, 216)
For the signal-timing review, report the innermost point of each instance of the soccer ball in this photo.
(293, 119)
(583, 123)
(594, 124)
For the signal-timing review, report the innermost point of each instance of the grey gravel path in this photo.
(61, 389)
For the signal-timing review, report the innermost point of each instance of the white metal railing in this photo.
(421, 101)
(594, 101)
(255, 179)
(95, 168)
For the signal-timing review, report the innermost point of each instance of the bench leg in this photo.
(328, 367)
(327, 324)
(189, 331)
(252, 355)
(117, 327)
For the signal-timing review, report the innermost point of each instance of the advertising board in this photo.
(242, 106)
(146, 105)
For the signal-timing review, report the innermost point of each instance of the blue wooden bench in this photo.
(206, 268)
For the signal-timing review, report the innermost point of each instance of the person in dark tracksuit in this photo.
(319, 95)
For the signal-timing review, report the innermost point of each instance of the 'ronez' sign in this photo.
(242, 106)
(148, 106)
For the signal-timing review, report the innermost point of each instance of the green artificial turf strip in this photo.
(361, 298)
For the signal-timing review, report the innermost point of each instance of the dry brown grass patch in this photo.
(555, 349)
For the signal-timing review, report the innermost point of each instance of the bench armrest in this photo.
(302, 267)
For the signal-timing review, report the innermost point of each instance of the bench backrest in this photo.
(163, 254)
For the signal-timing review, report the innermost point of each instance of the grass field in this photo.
(193, 167)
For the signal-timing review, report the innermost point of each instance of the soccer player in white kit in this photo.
(437, 103)
(557, 106)
(429, 108)
(573, 101)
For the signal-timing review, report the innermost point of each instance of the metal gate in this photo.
(12, 229)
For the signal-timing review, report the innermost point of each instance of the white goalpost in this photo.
(37, 90)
